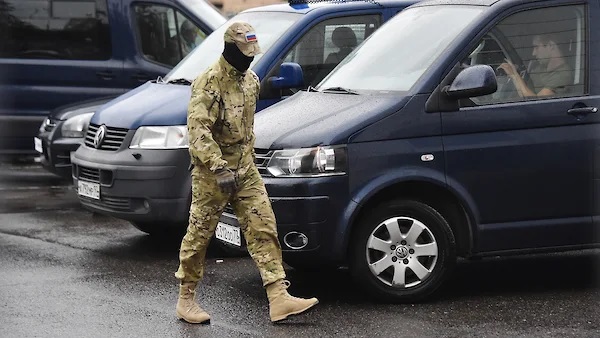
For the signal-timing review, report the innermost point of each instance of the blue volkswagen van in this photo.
(55, 53)
(403, 159)
(138, 169)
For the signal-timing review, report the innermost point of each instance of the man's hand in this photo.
(226, 180)
(509, 68)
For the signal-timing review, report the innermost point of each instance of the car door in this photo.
(526, 162)
(320, 49)
(53, 53)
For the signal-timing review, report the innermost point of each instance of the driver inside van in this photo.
(551, 75)
(188, 35)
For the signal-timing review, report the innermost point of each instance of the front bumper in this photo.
(309, 206)
(142, 186)
(56, 151)
(17, 133)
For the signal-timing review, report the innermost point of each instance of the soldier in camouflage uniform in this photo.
(221, 144)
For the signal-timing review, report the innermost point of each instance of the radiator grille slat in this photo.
(262, 158)
(89, 174)
(110, 202)
(119, 203)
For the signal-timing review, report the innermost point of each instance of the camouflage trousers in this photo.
(253, 209)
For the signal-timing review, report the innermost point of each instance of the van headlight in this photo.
(309, 162)
(76, 126)
(164, 137)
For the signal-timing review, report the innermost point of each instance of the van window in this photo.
(165, 35)
(325, 45)
(545, 47)
(54, 29)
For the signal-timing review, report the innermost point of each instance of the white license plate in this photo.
(88, 189)
(37, 143)
(228, 233)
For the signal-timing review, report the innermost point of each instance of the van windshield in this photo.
(398, 53)
(269, 27)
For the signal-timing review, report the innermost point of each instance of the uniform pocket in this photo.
(232, 127)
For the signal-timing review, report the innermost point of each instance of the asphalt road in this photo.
(68, 273)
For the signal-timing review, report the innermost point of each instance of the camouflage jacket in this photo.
(221, 117)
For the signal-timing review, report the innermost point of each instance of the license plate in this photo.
(88, 189)
(37, 143)
(228, 233)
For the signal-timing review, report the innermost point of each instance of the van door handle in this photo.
(142, 77)
(582, 111)
(105, 75)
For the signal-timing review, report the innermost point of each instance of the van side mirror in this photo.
(290, 76)
(477, 80)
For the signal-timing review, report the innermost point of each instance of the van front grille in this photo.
(112, 140)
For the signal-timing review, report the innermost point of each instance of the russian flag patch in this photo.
(250, 37)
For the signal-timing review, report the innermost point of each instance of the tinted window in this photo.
(53, 29)
(328, 43)
(165, 35)
(544, 47)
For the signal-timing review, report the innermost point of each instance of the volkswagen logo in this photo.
(402, 252)
(99, 138)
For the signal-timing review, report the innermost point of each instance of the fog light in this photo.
(146, 204)
(295, 240)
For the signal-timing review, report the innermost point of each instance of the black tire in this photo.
(435, 237)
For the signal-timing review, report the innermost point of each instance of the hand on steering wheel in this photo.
(509, 68)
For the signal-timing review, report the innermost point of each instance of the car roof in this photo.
(305, 6)
(472, 2)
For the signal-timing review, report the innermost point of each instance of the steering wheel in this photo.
(507, 89)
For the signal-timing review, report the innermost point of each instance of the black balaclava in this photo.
(236, 58)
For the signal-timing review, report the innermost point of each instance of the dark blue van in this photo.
(138, 170)
(481, 139)
(55, 53)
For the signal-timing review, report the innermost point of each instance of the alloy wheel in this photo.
(401, 252)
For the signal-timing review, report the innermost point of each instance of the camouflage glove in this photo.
(226, 180)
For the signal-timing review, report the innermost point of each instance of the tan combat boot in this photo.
(282, 304)
(187, 308)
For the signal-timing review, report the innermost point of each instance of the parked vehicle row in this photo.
(55, 53)
(139, 170)
(457, 129)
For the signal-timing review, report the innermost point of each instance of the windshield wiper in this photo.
(181, 82)
(311, 89)
(340, 90)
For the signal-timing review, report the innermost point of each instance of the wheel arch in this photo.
(432, 190)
